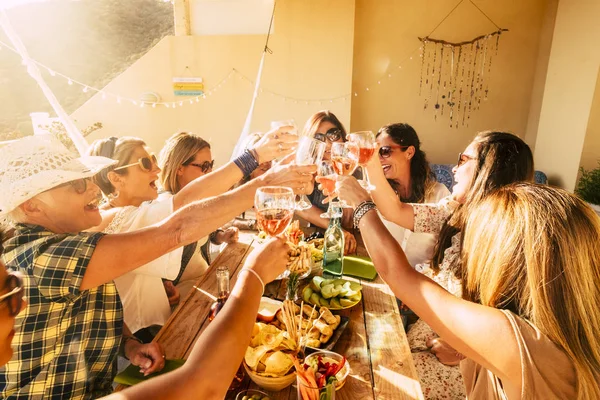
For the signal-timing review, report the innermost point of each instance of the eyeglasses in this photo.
(146, 164)
(80, 185)
(206, 166)
(463, 158)
(333, 135)
(14, 297)
(386, 151)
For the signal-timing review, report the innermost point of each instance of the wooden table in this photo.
(374, 341)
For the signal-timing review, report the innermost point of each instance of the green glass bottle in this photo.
(333, 247)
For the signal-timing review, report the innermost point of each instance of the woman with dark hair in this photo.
(491, 161)
(406, 169)
(327, 128)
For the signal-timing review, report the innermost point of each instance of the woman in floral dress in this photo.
(492, 160)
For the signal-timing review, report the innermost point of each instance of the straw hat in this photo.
(34, 164)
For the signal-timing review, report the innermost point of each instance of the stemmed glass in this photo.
(274, 209)
(287, 122)
(344, 158)
(310, 152)
(365, 140)
(327, 178)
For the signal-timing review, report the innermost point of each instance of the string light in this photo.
(234, 72)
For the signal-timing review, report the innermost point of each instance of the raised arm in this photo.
(387, 201)
(220, 349)
(482, 334)
(273, 144)
(118, 254)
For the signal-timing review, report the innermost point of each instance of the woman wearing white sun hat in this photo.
(67, 339)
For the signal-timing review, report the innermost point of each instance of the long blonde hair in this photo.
(179, 150)
(535, 250)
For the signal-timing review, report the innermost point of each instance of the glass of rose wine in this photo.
(327, 179)
(274, 209)
(310, 152)
(344, 159)
(365, 140)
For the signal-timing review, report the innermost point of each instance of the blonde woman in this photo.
(492, 160)
(184, 158)
(528, 322)
(131, 189)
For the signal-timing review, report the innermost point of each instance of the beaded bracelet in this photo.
(246, 162)
(361, 210)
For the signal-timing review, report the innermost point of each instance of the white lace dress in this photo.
(145, 302)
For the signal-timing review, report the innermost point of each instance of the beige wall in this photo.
(386, 31)
(569, 91)
(590, 155)
(312, 59)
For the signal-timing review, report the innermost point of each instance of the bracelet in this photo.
(360, 211)
(256, 275)
(213, 236)
(124, 342)
(246, 162)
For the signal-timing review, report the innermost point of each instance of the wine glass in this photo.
(310, 152)
(344, 159)
(328, 178)
(366, 148)
(274, 209)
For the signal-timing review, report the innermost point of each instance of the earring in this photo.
(113, 196)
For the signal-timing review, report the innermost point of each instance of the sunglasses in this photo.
(386, 151)
(80, 185)
(463, 158)
(14, 297)
(145, 163)
(206, 166)
(333, 135)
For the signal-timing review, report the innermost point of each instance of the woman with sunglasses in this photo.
(406, 169)
(131, 189)
(184, 158)
(491, 161)
(228, 334)
(67, 338)
(326, 127)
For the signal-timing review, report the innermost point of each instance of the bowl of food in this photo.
(269, 359)
(328, 367)
(271, 383)
(252, 394)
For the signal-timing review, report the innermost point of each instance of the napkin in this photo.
(131, 375)
(360, 267)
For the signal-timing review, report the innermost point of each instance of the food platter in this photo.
(335, 294)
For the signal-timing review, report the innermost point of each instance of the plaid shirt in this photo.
(66, 340)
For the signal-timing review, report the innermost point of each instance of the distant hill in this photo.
(92, 41)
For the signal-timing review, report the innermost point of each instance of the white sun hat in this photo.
(34, 164)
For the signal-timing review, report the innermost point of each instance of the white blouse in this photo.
(142, 293)
(418, 246)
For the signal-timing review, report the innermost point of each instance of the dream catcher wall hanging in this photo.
(455, 77)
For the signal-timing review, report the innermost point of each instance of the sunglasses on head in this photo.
(386, 151)
(14, 297)
(463, 158)
(333, 135)
(145, 163)
(205, 166)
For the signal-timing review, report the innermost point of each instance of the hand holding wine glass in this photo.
(327, 177)
(365, 140)
(310, 152)
(344, 159)
(275, 144)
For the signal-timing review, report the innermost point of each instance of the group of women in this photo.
(502, 273)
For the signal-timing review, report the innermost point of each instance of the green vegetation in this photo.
(588, 187)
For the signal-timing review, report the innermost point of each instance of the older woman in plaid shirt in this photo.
(67, 339)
